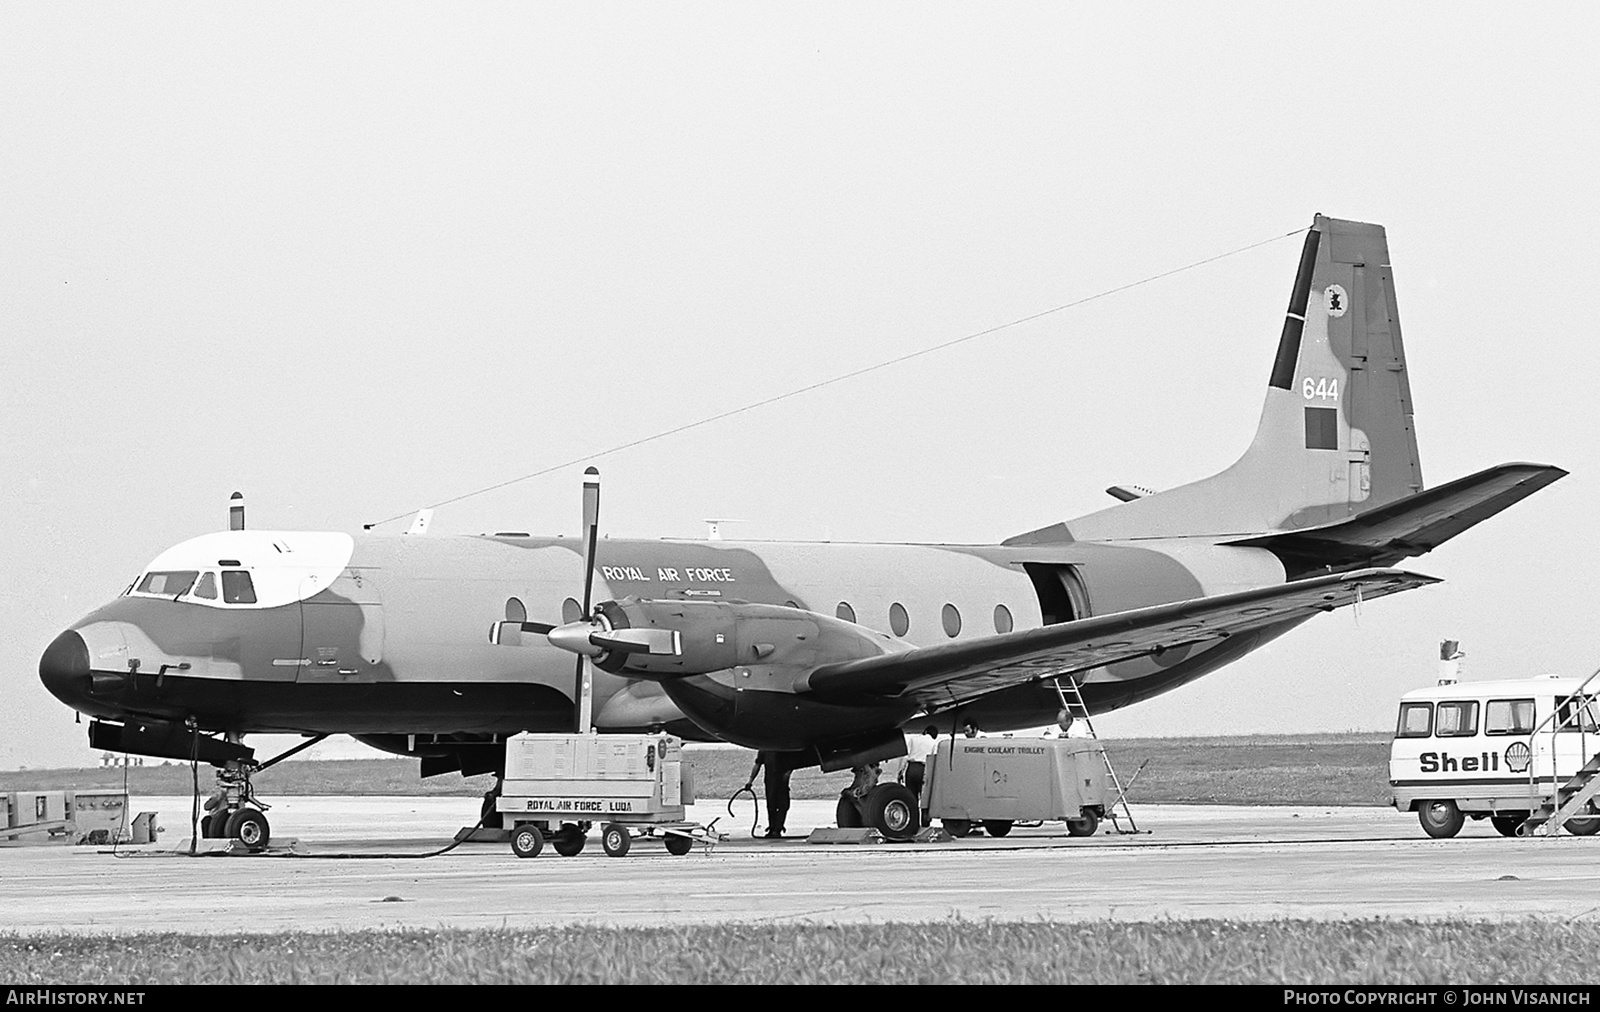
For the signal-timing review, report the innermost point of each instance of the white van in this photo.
(1492, 749)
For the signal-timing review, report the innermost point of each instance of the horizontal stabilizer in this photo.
(952, 673)
(1406, 527)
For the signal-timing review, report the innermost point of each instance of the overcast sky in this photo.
(356, 259)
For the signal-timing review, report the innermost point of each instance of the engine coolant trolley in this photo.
(997, 782)
(558, 786)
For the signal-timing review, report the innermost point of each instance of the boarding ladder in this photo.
(1073, 705)
(1549, 814)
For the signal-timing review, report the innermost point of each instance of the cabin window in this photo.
(167, 584)
(516, 611)
(899, 621)
(1457, 720)
(1508, 716)
(845, 612)
(571, 611)
(1002, 619)
(1416, 720)
(237, 587)
(207, 587)
(952, 620)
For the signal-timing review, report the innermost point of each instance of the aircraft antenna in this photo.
(864, 370)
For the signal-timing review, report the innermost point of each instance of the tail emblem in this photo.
(1336, 301)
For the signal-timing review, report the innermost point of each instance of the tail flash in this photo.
(1336, 435)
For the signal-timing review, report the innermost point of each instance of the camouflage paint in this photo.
(390, 637)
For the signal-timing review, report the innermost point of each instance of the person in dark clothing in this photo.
(778, 767)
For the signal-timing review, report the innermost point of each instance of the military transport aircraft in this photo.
(441, 646)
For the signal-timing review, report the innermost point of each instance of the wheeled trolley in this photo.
(998, 782)
(559, 786)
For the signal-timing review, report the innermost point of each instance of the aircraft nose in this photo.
(64, 667)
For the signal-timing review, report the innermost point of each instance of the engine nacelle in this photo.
(718, 635)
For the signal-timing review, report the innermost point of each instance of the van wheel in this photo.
(1586, 826)
(1440, 819)
(957, 827)
(1507, 825)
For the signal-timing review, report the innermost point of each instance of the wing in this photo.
(957, 672)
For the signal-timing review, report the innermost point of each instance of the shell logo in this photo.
(1518, 758)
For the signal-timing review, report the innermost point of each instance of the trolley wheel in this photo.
(957, 827)
(1440, 819)
(569, 840)
(678, 844)
(892, 811)
(847, 814)
(615, 840)
(1084, 825)
(997, 827)
(526, 840)
(250, 828)
(1586, 825)
(1507, 825)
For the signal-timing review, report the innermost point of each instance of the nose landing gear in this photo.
(235, 811)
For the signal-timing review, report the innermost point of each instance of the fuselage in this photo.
(255, 631)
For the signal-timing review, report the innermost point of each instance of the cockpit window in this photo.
(207, 587)
(168, 584)
(237, 587)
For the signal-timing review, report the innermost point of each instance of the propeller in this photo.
(593, 635)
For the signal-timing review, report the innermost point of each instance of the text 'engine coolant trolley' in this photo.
(557, 786)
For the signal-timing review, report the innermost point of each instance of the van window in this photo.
(1416, 720)
(1578, 714)
(1508, 716)
(1457, 720)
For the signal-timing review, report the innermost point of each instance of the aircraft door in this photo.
(342, 631)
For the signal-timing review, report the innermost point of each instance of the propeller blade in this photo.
(657, 642)
(583, 693)
(537, 627)
(591, 531)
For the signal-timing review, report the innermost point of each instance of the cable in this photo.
(838, 379)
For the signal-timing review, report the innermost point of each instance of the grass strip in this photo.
(966, 952)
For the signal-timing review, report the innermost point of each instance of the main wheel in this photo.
(1084, 825)
(892, 811)
(211, 826)
(847, 814)
(526, 840)
(1440, 819)
(957, 827)
(997, 827)
(679, 845)
(249, 827)
(1507, 825)
(569, 841)
(615, 840)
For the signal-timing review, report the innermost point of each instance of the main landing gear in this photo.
(892, 809)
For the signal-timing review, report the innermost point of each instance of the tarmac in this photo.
(355, 863)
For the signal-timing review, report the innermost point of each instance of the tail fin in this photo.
(1335, 437)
